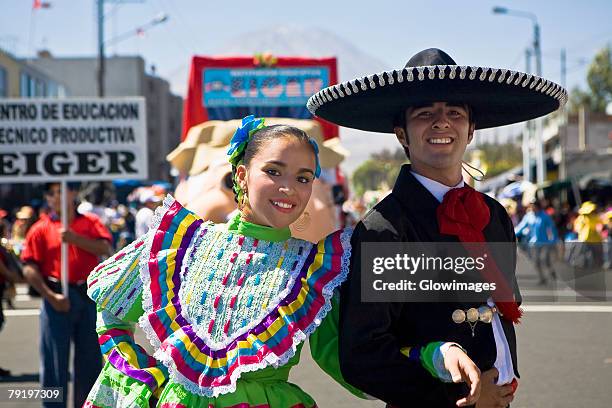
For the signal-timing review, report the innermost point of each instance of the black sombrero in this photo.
(496, 96)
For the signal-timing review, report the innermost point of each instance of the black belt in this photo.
(56, 286)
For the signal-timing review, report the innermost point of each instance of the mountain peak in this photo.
(285, 40)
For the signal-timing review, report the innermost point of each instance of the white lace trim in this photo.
(270, 359)
(108, 274)
(145, 277)
(424, 73)
(104, 395)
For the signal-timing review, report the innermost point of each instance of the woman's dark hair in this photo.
(263, 137)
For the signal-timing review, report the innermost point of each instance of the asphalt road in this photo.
(565, 353)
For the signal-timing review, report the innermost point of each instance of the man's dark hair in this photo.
(72, 186)
(399, 120)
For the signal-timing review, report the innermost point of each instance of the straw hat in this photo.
(214, 149)
(181, 158)
(332, 153)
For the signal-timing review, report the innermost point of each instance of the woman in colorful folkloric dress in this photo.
(226, 307)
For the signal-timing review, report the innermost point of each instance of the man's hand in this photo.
(493, 395)
(68, 235)
(99, 247)
(59, 302)
(463, 369)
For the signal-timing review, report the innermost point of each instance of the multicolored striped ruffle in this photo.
(116, 339)
(192, 363)
(115, 284)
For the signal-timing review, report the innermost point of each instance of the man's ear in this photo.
(471, 132)
(401, 135)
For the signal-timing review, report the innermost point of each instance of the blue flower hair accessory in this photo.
(315, 146)
(238, 144)
(241, 138)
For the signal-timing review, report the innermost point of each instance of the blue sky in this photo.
(389, 30)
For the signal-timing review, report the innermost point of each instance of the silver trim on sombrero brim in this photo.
(432, 72)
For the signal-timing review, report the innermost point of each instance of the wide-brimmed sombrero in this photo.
(496, 96)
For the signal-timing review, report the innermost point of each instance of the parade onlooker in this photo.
(586, 225)
(562, 220)
(540, 233)
(62, 318)
(150, 201)
(511, 208)
(4, 224)
(7, 279)
(24, 219)
(607, 231)
(3, 280)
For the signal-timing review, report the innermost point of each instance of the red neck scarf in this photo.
(464, 213)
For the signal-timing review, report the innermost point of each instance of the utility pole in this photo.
(563, 130)
(101, 57)
(563, 122)
(536, 48)
(527, 129)
(563, 67)
(539, 148)
(540, 163)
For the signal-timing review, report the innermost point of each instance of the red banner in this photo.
(196, 112)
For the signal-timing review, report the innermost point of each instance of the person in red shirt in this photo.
(72, 317)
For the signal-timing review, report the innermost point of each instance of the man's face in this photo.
(436, 134)
(54, 198)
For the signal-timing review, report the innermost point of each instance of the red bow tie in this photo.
(465, 214)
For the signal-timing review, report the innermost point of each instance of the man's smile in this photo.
(440, 140)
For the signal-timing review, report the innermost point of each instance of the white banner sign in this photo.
(72, 139)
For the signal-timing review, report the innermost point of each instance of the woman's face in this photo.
(277, 182)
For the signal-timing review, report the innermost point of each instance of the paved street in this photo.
(565, 354)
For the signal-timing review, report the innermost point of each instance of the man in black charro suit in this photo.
(422, 354)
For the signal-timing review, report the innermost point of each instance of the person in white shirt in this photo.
(150, 201)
